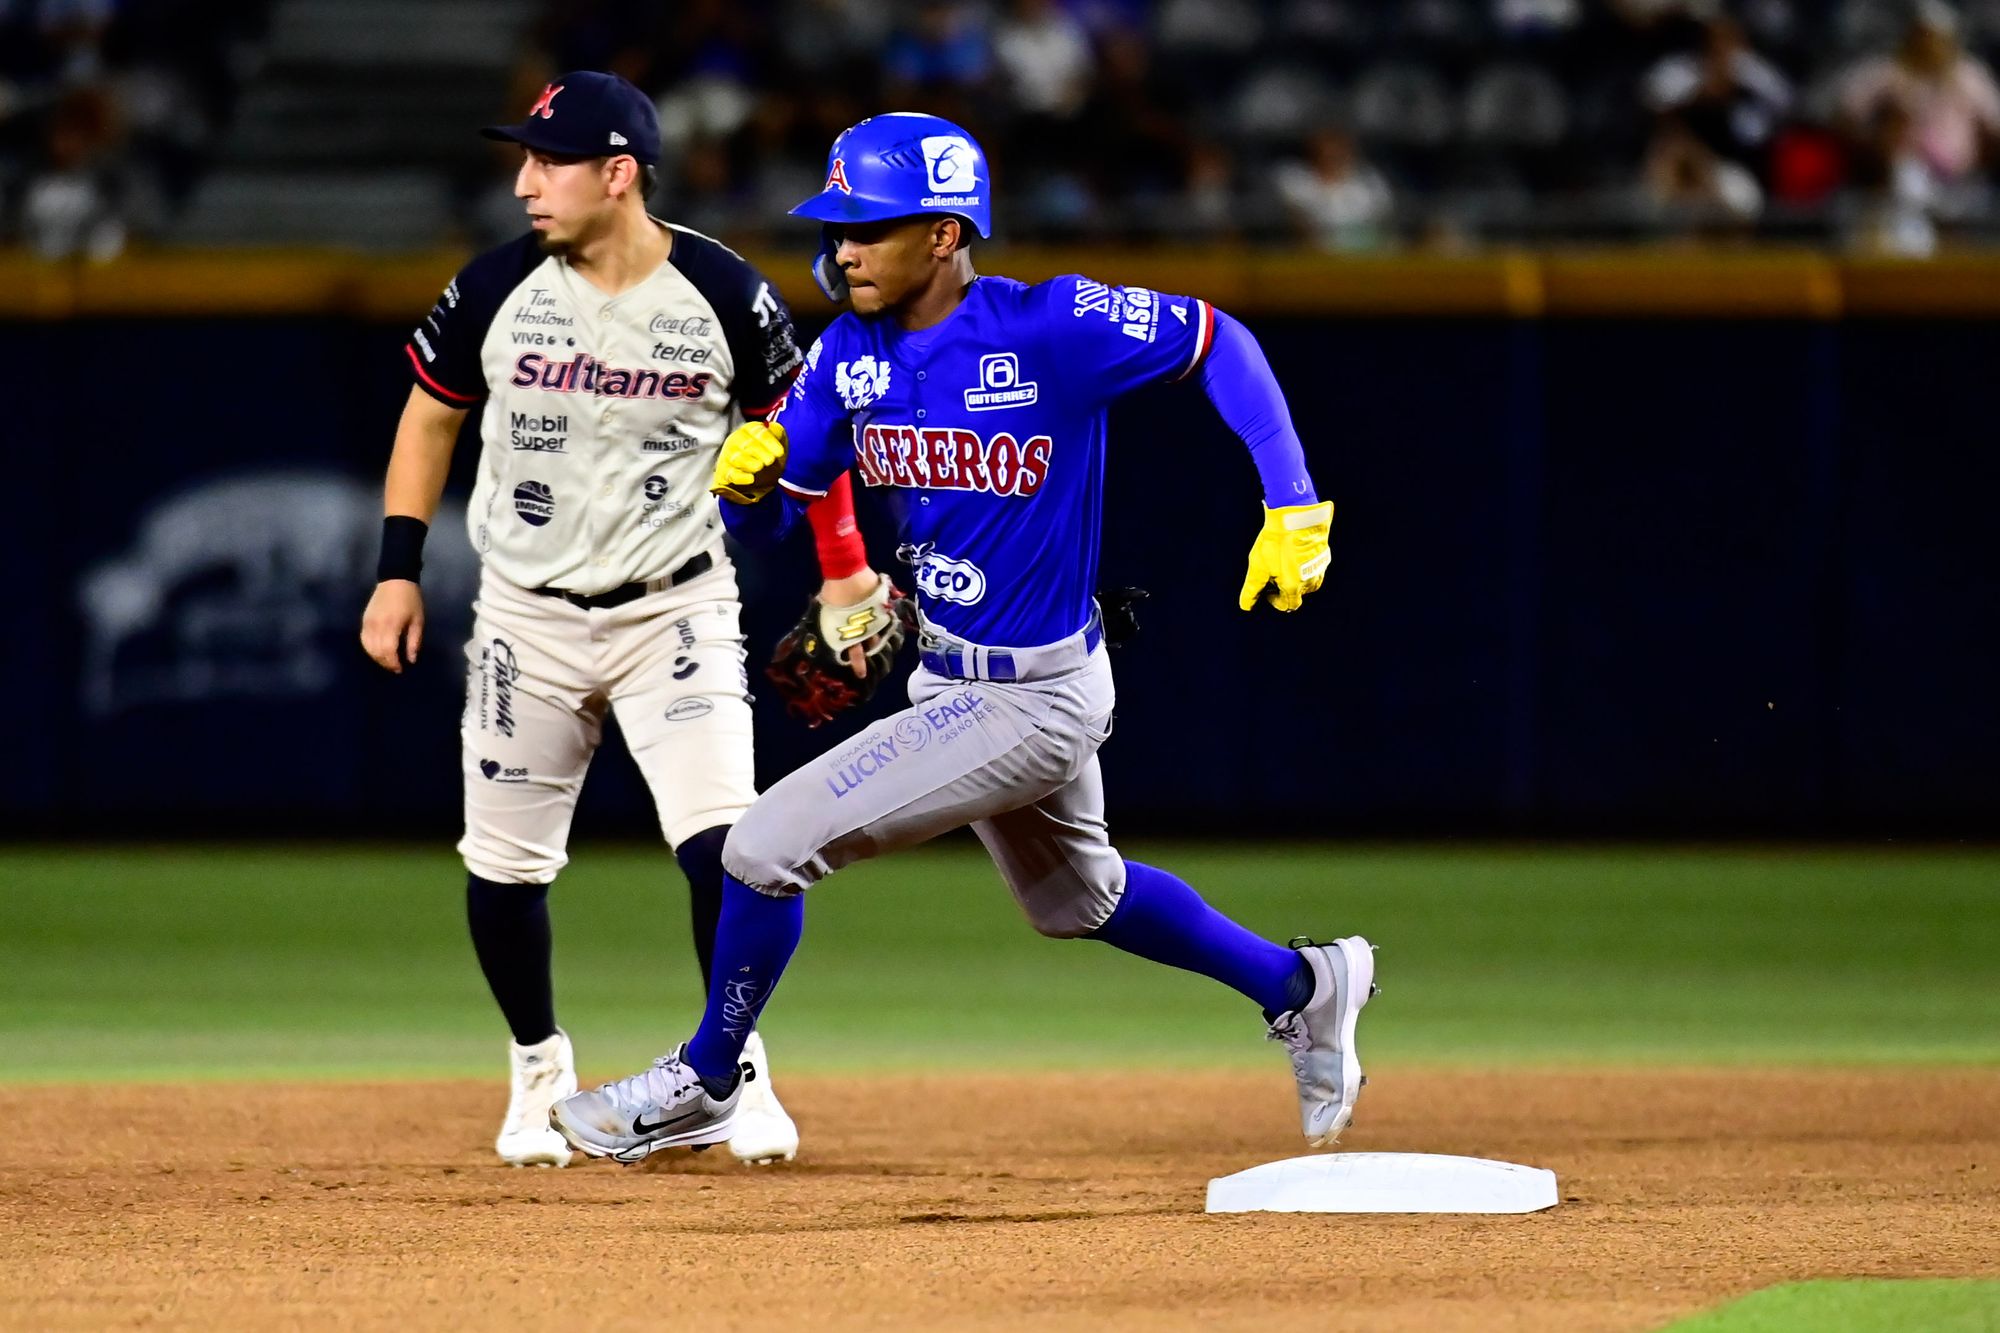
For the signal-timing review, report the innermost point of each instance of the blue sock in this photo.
(1162, 919)
(753, 942)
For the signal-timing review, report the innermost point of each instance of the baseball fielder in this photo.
(979, 404)
(609, 355)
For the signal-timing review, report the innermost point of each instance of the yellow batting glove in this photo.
(1291, 553)
(751, 461)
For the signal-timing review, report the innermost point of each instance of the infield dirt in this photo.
(1045, 1201)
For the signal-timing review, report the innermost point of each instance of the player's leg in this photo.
(1058, 860)
(681, 699)
(964, 751)
(527, 736)
(960, 752)
(676, 666)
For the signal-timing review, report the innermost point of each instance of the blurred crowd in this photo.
(108, 112)
(1342, 124)
(1348, 125)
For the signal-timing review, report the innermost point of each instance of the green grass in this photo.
(311, 960)
(1858, 1305)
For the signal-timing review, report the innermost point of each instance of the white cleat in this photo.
(662, 1106)
(764, 1133)
(543, 1074)
(1320, 1037)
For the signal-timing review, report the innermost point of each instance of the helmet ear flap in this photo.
(826, 272)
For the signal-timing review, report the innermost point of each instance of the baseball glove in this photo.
(809, 665)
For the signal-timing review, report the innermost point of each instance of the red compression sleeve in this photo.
(838, 537)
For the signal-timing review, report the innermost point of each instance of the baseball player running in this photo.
(609, 354)
(980, 404)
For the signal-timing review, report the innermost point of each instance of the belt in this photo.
(970, 661)
(631, 592)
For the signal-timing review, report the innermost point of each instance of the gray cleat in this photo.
(662, 1106)
(1320, 1037)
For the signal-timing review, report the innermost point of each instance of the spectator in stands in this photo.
(1725, 94)
(1208, 206)
(72, 32)
(71, 206)
(831, 41)
(939, 61)
(1946, 94)
(1895, 193)
(1045, 59)
(704, 188)
(1335, 200)
(1044, 63)
(1132, 133)
(1688, 185)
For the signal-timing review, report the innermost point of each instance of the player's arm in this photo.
(767, 476)
(1131, 336)
(392, 628)
(764, 346)
(1289, 558)
(447, 381)
(770, 473)
(853, 603)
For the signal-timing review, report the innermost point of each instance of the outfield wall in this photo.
(1596, 569)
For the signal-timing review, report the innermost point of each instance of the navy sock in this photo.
(753, 941)
(701, 861)
(1162, 919)
(510, 933)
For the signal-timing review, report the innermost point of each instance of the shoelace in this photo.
(1291, 1030)
(663, 1083)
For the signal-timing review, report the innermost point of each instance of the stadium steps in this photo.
(358, 124)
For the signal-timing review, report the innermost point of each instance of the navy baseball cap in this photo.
(588, 114)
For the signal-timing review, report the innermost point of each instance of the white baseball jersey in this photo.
(602, 414)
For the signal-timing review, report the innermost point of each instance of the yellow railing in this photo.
(1783, 284)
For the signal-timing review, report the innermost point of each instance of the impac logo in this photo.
(535, 503)
(950, 580)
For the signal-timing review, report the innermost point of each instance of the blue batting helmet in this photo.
(900, 165)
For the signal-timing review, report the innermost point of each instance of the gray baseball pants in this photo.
(1015, 758)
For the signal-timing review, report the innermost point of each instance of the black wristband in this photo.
(402, 548)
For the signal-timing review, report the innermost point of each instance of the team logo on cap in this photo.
(544, 105)
(836, 177)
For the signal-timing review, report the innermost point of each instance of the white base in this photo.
(1384, 1182)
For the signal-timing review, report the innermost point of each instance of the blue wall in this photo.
(1591, 577)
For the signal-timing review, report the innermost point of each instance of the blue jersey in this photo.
(988, 431)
